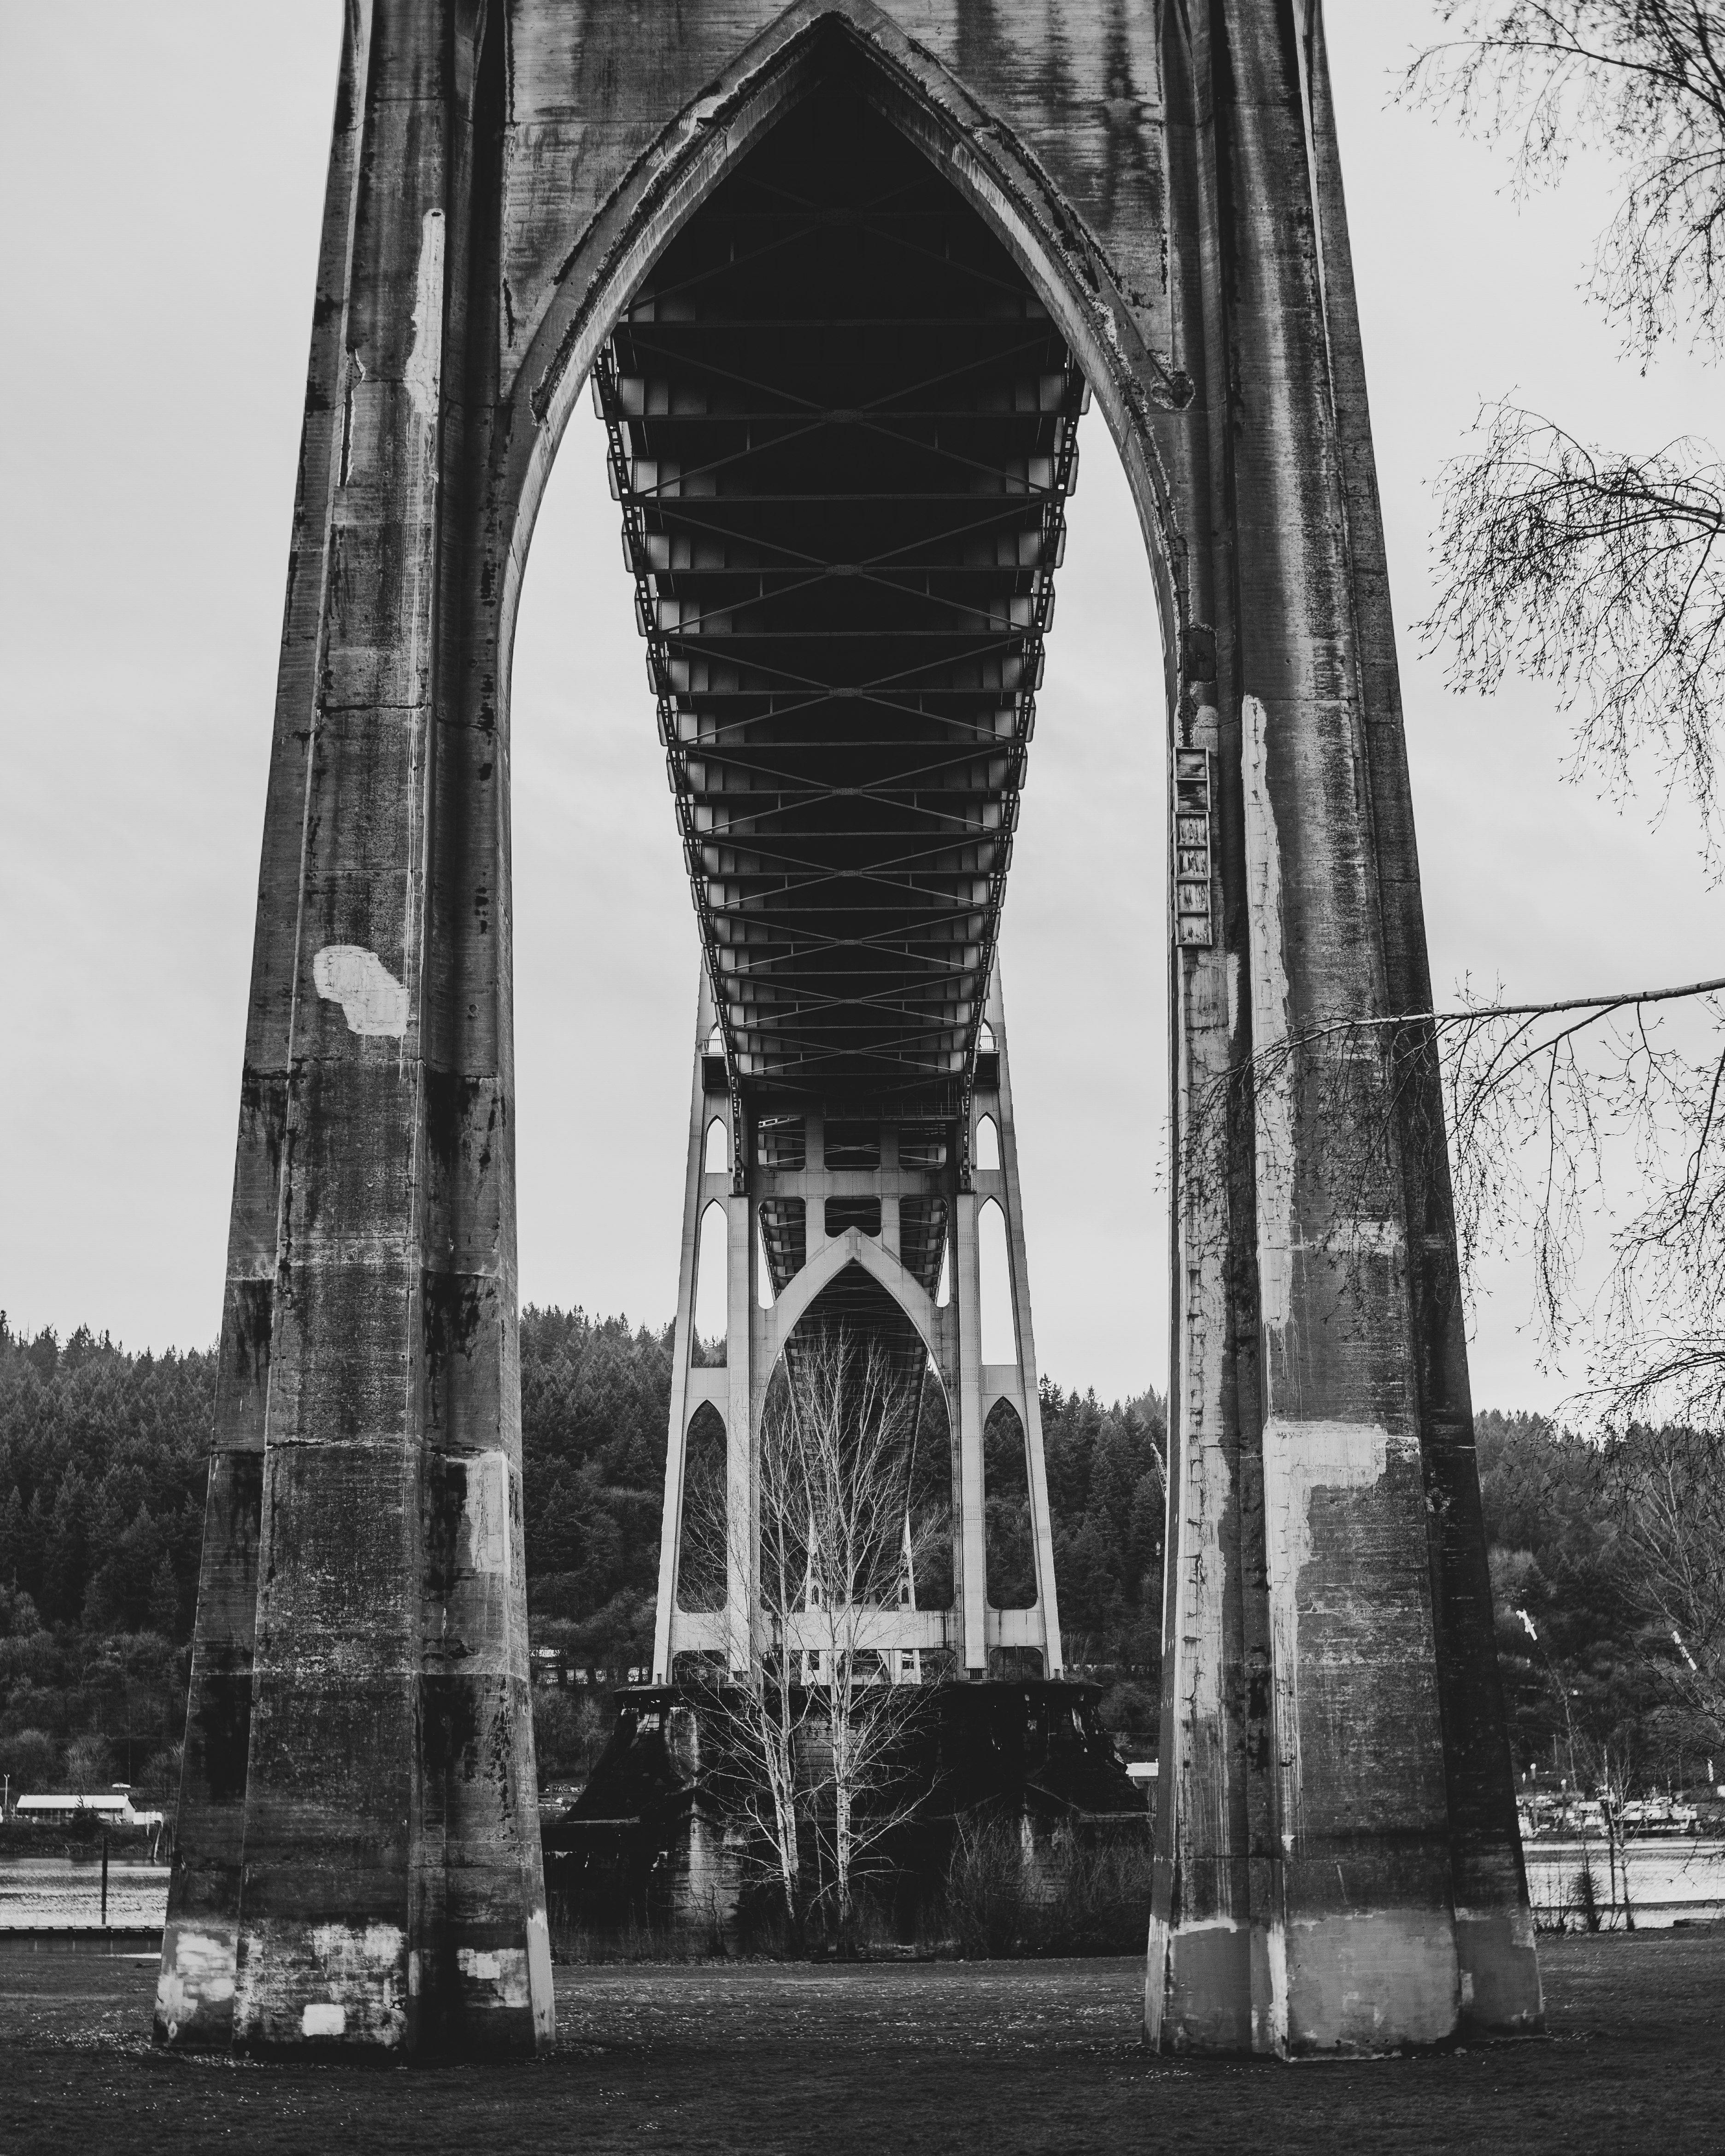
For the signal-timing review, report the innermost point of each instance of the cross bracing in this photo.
(843, 430)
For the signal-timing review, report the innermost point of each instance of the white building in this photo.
(114, 1807)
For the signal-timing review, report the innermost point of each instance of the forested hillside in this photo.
(101, 1493)
(1608, 1580)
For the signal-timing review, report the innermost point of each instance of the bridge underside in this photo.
(843, 431)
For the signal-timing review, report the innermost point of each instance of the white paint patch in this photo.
(539, 1975)
(1270, 1026)
(373, 1000)
(1190, 1927)
(345, 1950)
(485, 1514)
(364, 1974)
(199, 1973)
(1156, 1981)
(1270, 2031)
(505, 1970)
(1299, 1458)
(423, 374)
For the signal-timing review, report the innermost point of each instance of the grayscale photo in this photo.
(862, 1237)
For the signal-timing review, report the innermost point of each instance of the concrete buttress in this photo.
(371, 1876)
(1152, 195)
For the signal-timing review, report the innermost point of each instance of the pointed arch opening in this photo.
(862, 59)
(855, 1313)
(1006, 1483)
(712, 1288)
(994, 1286)
(564, 345)
(703, 1534)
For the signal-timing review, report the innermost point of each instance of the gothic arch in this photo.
(852, 1248)
(810, 43)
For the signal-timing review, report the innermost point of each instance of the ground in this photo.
(994, 2057)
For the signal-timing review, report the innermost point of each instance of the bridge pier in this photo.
(358, 1852)
(1339, 1866)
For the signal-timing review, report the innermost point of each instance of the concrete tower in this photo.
(899, 1166)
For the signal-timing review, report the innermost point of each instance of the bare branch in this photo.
(1552, 1111)
(1602, 574)
(1642, 79)
(1665, 1492)
(815, 1715)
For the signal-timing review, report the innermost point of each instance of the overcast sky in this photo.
(163, 168)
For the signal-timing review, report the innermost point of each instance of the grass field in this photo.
(992, 2057)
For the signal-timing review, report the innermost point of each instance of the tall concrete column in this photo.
(200, 1943)
(742, 1503)
(970, 1570)
(1029, 1401)
(1318, 1772)
(1493, 1938)
(686, 1387)
(389, 1894)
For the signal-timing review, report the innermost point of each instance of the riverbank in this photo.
(1645, 1885)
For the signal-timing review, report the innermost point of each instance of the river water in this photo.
(39, 1890)
(1668, 1878)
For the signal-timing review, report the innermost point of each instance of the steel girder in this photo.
(843, 430)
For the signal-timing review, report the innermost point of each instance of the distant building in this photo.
(113, 1807)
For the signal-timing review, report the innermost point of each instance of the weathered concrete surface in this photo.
(1338, 1819)
(390, 1891)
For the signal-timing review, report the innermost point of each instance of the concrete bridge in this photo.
(841, 276)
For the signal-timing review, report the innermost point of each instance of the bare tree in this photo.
(87, 1762)
(1587, 1114)
(814, 1710)
(1642, 79)
(850, 1420)
(1604, 574)
(1666, 1489)
(760, 1706)
(1600, 571)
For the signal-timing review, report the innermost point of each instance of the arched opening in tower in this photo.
(854, 1316)
(701, 1556)
(841, 426)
